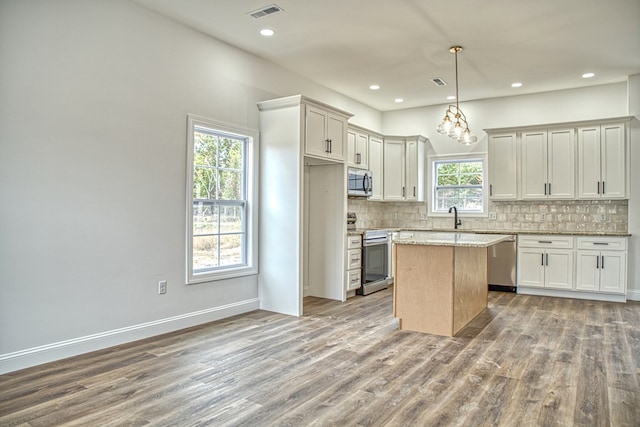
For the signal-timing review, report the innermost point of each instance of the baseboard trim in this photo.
(633, 295)
(27, 358)
(571, 294)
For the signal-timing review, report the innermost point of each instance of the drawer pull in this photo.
(545, 241)
(601, 243)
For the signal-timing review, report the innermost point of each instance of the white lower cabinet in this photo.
(546, 262)
(595, 269)
(601, 265)
(354, 262)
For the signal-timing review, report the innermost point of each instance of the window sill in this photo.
(221, 275)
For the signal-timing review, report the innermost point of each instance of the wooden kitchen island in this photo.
(440, 280)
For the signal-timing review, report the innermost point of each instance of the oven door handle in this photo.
(375, 242)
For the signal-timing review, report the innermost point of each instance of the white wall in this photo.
(93, 103)
(594, 102)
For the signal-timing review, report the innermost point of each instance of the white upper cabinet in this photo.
(393, 169)
(357, 149)
(548, 164)
(325, 134)
(376, 166)
(602, 168)
(362, 150)
(533, 173)
(404, 169)
(503, 171)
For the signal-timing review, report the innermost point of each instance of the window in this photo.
(458, 182)
(220, 201)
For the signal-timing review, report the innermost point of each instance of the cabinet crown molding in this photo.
(622, 119)
(295, 100)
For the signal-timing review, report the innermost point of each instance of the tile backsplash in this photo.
(561, 216)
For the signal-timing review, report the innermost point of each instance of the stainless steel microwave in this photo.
(359, 182)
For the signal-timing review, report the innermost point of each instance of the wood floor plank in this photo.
(525, 360)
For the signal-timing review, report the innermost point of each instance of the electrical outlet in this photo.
(493, 216)
(162, 287)
(543, 217)
(603, 217)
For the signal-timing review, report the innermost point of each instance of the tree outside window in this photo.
(460, 184)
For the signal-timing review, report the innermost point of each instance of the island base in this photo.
(438, 289)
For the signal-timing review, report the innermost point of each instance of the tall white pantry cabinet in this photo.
(303, 146)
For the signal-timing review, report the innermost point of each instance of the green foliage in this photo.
(218, 164)
(459, 184)
(462, 173)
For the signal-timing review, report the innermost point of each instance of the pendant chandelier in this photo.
(454, 124)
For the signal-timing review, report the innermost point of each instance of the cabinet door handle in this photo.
(547, 263)
(598, 187)
(549, 188)
(358, 158)
(598, 262)
(602, 187)
(330, 147)
(326, 146)
(602, 262)
(545, 188)
(542, 259)
(491, 189)
(414, 191)
(402, 191)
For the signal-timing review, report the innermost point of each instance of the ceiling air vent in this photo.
(267, 10)
(438, 81)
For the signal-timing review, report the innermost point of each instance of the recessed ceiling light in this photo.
(398, 100)
(267, 32)
(517, 84)
(588, 75)
(451, 97)
(374, 87)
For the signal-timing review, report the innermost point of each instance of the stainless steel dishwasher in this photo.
(502, 266)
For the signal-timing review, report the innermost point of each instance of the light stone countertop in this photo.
(540, 232)
(472, 240)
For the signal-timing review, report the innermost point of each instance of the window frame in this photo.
(250, 217)
(454, 158)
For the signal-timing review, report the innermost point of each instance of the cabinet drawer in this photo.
(353, 280)
(354, 242)
(354, 258)
(535, 241)
(602, 243)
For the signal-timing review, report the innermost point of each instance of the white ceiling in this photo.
(347, 45)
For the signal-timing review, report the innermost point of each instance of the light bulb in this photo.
(457, 130)
(445, 126)
(468, 138)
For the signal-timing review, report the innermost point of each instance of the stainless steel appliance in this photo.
(501, 265)
(375, 261)
(359, 183)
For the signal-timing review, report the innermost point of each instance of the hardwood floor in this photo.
(525, 361)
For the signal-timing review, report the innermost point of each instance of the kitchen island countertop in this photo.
(471, 240)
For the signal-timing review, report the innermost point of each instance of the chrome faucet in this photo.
(456, 221)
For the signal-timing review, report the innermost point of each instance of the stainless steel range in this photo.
(375, 261)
